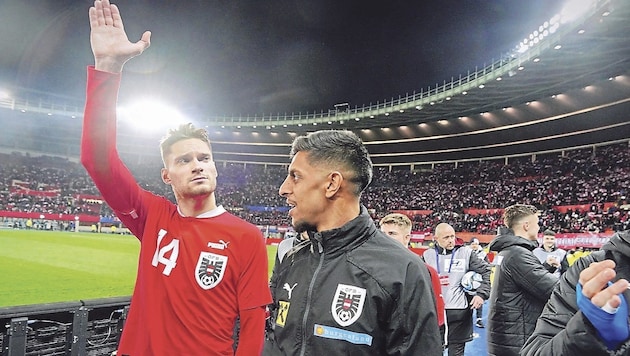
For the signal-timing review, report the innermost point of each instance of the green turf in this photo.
(45, 267)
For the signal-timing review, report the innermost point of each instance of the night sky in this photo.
(252, 57)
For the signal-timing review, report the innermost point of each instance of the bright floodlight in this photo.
(574, 9)
(151, 114)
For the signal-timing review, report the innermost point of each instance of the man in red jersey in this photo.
(200, 268)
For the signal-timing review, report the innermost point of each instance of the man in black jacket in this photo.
(521, 284)
(587, 313)
(348, 289)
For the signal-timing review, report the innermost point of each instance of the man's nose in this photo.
(197, 166)
(283, 191)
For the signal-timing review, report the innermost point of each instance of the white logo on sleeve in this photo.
(347, 304)
(210, 269)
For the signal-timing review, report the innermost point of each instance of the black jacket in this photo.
(562, 329)
(520, 290)
(352, 291)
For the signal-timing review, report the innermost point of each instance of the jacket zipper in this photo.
(310, 294)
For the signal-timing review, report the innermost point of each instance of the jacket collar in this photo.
(509, 239)
(347, 237)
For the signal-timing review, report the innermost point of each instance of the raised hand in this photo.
(110, 44)
(594, 280)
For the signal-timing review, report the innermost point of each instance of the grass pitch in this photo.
(46, 267)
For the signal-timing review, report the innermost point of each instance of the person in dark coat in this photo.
(595, 320)
(521, 284)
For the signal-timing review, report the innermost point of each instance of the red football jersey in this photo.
(437, 289)
(195, 274)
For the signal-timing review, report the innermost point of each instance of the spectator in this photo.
(339, 293)
(398, 227)
(554, 259)
(587, 313)
(521, 284)
(200, 268)
(579, 253)
(482, 255)
(452, 262)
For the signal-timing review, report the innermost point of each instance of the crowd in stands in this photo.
(444, 193)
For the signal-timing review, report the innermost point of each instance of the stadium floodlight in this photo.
(151, 114)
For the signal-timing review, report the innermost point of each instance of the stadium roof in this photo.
(571, 88)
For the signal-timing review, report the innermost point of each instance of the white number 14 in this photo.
(160, 253)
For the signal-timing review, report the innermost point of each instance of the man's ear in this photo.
(525, 225)
(335, 179)
(165, 177)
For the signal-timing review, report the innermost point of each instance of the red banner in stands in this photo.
(37, 193)
(588, 240)
(46, 216)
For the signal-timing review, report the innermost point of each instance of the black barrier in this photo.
(88, 327)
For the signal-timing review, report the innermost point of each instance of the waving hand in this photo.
(110, 44)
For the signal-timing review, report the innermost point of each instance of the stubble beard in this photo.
(197, 191)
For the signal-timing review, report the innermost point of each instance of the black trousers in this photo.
(456, 349)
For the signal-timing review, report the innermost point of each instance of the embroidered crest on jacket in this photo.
(347, 304)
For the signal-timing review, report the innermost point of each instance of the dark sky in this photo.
(250, 56)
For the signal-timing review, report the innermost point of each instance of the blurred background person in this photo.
(553, 258)
(521, 285)
(452, 261)
(398, 227)
(482, 255)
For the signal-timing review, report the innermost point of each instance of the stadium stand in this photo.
(579, 190)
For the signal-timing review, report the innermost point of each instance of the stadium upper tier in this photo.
(566, 85)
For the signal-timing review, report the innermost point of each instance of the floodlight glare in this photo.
(151, 114)
(575, 9)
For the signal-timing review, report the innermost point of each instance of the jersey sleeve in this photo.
(253, 285)
(99, 155)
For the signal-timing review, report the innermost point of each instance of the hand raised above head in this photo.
(110, 44)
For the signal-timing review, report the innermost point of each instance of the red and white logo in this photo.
(347, 304)
(210, 269)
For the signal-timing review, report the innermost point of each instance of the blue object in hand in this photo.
(613, 328)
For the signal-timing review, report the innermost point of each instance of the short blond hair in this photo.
(396, 219)
(515, 213)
